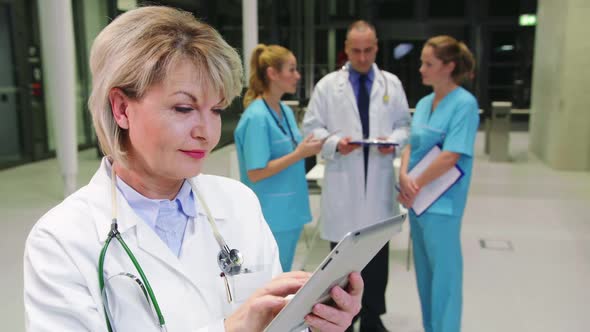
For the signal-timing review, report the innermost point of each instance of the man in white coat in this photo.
(359, 101)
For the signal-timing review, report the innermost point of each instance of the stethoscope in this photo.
(346, 68)
(229, 260)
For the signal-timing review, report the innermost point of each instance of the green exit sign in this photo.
(527, 20)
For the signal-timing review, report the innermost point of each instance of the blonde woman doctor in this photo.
(150, 243)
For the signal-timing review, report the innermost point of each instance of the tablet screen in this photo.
(351, 254)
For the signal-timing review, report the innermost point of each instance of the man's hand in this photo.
(386, 149)
(344, 146)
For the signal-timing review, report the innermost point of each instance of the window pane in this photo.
(446, 8)
(403, 9)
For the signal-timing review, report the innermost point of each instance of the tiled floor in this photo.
(540, 285)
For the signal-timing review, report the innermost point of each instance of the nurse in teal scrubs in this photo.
(448, 117)
(270, 148)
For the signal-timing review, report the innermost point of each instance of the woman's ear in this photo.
(119, 103)
(271, 73)
(449, 67)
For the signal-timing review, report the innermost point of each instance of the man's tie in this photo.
(363, 105)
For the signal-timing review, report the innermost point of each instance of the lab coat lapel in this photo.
(134, 230)
(149, 242)
(378, 85)
(101, 210)
(377, 92)
(200, 234)
(345, 90)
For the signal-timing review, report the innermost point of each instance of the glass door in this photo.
(11, 145)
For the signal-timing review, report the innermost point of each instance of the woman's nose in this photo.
(202, 122)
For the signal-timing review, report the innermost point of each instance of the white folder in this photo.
(432, 191)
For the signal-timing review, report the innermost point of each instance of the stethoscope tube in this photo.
(229, 260)
(114, 233)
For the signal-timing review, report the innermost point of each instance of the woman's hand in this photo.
(261, 308)
(266, 302)
(338, 318)
(309, 147)
(408, 190)
(405, 200)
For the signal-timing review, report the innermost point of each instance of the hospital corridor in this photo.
(186, 165)
(525, 237)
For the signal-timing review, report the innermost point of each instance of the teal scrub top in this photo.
(284, 196)
(453, 125)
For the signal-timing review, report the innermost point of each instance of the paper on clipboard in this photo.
(432, 191)
(373, 141)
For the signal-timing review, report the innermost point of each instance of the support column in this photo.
(332, 53)
(560, 121)
(59, 64)
(249, 33)
(309, 44)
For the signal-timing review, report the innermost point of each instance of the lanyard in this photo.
(274, 116)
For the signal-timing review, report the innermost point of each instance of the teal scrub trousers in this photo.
(439, 270)
(287, 243)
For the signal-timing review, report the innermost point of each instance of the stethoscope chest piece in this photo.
(230, 262)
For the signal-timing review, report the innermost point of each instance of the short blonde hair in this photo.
(138, 49)
(263, 57)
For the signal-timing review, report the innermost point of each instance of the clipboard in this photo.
(373, 141)
(352, 253)
(431, 192)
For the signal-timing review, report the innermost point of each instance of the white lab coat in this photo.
(346, 206)
(61, 289)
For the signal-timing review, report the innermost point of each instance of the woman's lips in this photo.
(196, 154)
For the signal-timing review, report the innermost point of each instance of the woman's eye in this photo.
(183, 109)
(217, 111)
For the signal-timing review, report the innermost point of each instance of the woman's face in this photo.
(288, 77)
(434, 70)
(174, 126)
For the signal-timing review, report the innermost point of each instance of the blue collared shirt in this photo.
(354, 77)
(168, 218)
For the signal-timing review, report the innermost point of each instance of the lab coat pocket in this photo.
(127, 304)
(248, 281)
(443, 205)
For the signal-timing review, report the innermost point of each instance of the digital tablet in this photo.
(351, 254)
